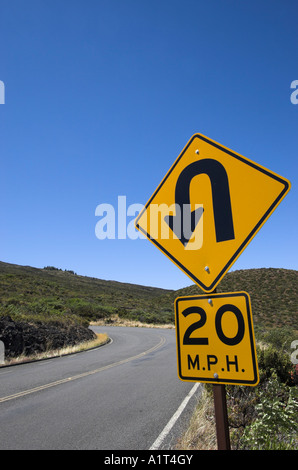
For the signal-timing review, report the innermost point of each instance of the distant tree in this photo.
(52, 268)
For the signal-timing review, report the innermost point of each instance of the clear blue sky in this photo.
(102, 95)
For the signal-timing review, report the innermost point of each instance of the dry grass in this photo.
(201, 433)
(115, 320)
(101, 338)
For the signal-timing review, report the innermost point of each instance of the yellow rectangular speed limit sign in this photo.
(215, 339)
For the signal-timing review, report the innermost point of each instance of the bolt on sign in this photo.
(208, 207)
(215, 339)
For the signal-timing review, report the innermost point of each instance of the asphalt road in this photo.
(118, 397)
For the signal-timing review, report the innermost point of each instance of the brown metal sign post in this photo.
(221, 417)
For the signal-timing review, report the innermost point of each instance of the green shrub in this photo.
(265, 416)
(271, 361)
(276, 424)
(280, 338)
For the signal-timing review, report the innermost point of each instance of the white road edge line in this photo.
(157, 443)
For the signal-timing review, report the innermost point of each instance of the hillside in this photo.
(46, 309)
(53, 295)
(52, 298)
(273, 294)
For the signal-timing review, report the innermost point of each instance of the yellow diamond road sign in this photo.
(208, 207)
(215, 339)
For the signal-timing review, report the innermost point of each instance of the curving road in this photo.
(118, 397)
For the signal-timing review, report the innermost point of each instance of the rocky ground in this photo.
(29, 339)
